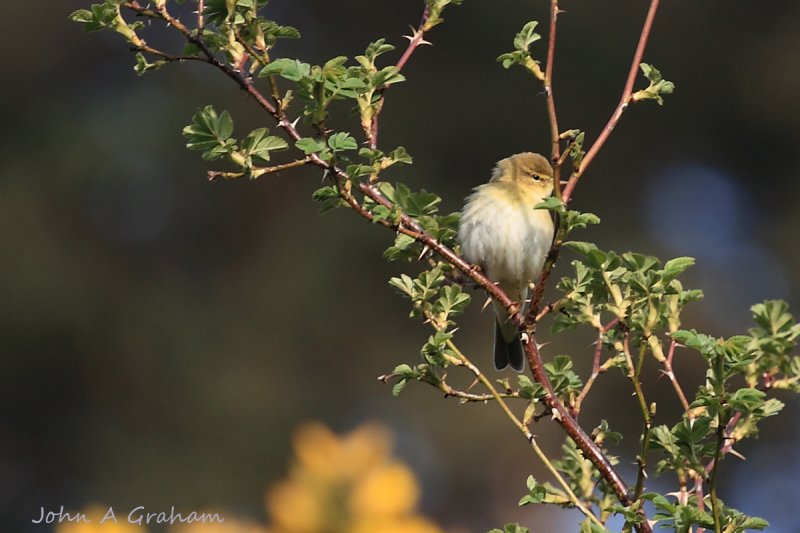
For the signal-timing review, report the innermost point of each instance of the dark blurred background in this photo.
(162, 335)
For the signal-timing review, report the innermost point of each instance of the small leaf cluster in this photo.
(318, 86)
(211, 133)
(681, 517)
(236, 29)
(569, 219)
(435, 9)
(107, 15)
(634, 288)
(658, 85)
(641, 300)
(432, 298)
(774, 337)
(521, 54)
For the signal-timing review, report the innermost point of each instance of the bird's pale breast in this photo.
(502, 232)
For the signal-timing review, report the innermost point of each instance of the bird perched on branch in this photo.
(501, 232)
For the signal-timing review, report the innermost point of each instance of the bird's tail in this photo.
(507, 343)
(507, 352)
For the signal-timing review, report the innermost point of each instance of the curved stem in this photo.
(413, 43)
(566, 194)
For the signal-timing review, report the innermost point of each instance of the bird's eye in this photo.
(536, 177)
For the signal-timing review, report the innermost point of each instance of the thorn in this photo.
(473, 383)
(425, 250)
(294, 123)
(737, 454)
(486, 304)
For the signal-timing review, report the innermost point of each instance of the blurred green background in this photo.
(162, 335)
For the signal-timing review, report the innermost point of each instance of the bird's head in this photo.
(529, 170)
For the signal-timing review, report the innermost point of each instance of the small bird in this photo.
(501, 232)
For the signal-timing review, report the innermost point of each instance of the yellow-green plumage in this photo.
(502, 233)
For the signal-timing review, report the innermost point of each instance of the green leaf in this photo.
(100, 16)
(529, 389)
(329, 197)
(342, 141)
(452, 301)
(210, 133)
(143, 66)
(521, 55)
(416, 203)
(291, 69)
(259, 144)
(537, 493)
(747, 400)
(398, 387)
(527, 36)
(658, 85)
(594, 257)
(309, 145)
(551, 203)
(400, 155)
(674, 267)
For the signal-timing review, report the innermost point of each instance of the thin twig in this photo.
(414, 42)
(257, 172)
(566, 194)
(555, 140)
(671, 375)
(144, 47)
(201, 7)
(729, 440)
(596, 370)
(471, 397)
(634, 373)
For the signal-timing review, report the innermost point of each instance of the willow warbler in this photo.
(502, 233)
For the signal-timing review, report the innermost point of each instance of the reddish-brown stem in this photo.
(671, 375)
(598, 350)
(413, 43)
(566, 194)
(585, 443)
(415, 40)
(729, 441)
(555, 141)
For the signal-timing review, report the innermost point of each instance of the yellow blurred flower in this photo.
(348, 484)
(228, 526)
(96, 513)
